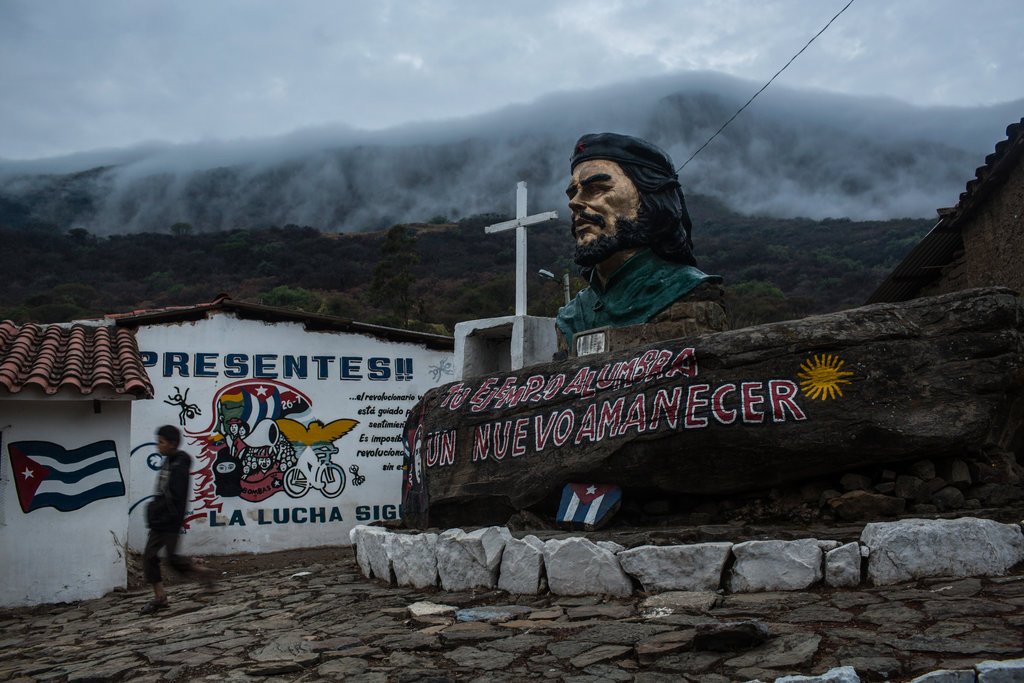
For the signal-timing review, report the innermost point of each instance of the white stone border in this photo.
(989, 671)
(895, 551)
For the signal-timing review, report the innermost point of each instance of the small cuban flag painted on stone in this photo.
(48, 475)
(589, 506)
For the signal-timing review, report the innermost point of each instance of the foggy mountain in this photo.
(791, 153)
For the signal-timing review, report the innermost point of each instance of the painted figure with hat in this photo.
(632, 235)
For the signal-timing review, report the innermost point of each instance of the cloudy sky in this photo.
(78, 75)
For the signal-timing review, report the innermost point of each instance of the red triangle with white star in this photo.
(28, 475)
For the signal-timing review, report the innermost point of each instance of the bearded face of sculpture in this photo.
(604, 203)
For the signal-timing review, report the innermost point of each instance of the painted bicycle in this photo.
(315, 467)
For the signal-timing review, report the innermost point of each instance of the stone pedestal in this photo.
(509, 343)
(681, 319)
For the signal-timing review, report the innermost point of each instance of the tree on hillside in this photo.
(63, 303)
(81, 236)
(393, 278)
(181, 229)
(284, 296)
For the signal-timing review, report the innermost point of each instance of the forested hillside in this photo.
(430, 275)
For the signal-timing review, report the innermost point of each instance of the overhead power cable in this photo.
(764, 86)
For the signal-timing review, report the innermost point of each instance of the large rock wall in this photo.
(730, 412)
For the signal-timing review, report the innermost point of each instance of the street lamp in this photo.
(548, 275)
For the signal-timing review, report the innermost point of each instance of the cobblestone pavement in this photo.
(302, 621)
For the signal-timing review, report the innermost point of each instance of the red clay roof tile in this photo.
(81, 358)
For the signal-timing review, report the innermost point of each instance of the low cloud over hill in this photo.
(791, 153)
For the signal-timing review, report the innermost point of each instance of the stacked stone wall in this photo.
(922, 487)
(887, 553)
(994, 237)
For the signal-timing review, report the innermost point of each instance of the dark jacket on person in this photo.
(166, 512)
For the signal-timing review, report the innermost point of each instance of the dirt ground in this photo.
(628, 536)
(247, 563)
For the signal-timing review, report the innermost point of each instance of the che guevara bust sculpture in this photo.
(632, 234)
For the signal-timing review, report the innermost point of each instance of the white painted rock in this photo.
(947, 676)
(917, 548)
(522, 564)
(775, 565)
(672, 602)
(371, 551)
(413, 559)
(828, 545)
(611, 545)
(1009, 671)
(354, 536)
(467, 561)
(576, 566)
(842, 566)
(376, 541)
(696, 567)
(842, 674)
(492, 541)
(430, 609)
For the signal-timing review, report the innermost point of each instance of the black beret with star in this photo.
(622, 149)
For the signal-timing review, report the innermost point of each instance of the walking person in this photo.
(164, 517)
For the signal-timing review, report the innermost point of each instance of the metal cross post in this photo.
(520, 223)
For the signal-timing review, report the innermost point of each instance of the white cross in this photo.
(520, 223)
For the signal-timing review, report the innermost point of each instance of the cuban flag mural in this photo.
(588, 505)
(48, 475)
(254, 401)
(243, 453)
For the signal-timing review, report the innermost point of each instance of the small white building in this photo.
(66, 397)
(294, 421)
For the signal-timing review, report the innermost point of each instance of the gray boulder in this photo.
(371, 551)
(575, 566)
(842, 674)
(947, 676)
(842, 566)
(413, 559)
(696, 567)
(1009, 671)
(775, 565)
(522, 566)
(918, 548)
(470, 560)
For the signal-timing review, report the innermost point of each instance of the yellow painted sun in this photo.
(822, 376)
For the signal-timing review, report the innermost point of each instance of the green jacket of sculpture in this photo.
(642, 287)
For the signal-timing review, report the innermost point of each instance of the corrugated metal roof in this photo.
(312, 321)
(938, 248)
(82, 358)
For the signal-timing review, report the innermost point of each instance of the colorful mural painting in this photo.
(291, 447)
(48, 475)
(314, 445)
(243, 453)
(256, 447)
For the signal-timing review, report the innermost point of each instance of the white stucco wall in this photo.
(329, 377)
(46, 555)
